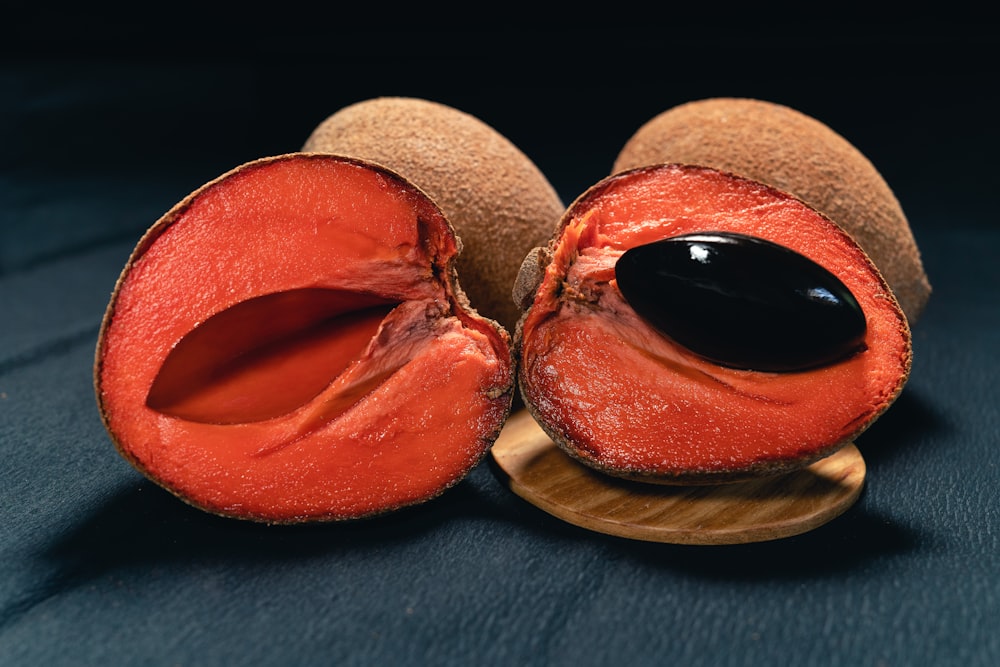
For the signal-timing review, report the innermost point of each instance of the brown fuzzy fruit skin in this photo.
(497, 199)
(791, 151)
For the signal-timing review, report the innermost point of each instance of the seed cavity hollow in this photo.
(267, 356)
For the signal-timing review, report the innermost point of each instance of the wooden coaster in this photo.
(751, 511)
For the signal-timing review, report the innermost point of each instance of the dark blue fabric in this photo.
(99, 566)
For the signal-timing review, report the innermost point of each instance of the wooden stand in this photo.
(751, 511)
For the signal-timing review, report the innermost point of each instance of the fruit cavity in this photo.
(290, 343)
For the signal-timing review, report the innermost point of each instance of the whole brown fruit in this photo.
(798, 154)
(499, 202)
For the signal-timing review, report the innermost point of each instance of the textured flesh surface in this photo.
(620, 397)
(287, 345)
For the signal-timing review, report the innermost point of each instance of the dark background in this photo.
(108, 119)
(148, 107)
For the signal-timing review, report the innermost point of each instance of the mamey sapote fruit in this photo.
(794, 152)
(499, 202)
(290, 343)
(634, 353)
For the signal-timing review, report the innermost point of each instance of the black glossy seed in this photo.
(742, 301)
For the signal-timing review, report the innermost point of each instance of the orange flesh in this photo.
(625, 399)
(285, 348)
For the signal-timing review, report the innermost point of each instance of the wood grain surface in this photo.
(749, 511)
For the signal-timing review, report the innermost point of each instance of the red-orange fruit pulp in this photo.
(616, 394)
(290, 343)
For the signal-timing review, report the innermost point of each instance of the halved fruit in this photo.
(674, 379)
(290, 343)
